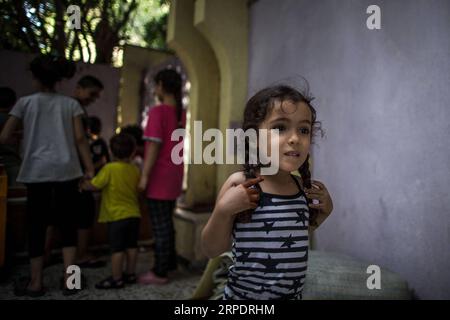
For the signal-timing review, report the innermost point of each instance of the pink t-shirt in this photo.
(166, 177)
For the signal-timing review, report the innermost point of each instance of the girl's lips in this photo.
(292, 154)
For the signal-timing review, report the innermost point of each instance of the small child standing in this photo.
(270, 248)
(119, 208)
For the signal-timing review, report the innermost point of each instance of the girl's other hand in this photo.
(142, 184)
(319, 192)
(240, 197)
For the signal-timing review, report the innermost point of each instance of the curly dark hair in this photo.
(257, 109)
(49, 70)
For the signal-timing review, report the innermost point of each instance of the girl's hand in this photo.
(241, 197)
(319, 192)
(142, 184)
(84, 185)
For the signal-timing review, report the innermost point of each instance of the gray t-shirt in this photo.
(50, 152)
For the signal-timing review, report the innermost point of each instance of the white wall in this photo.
(14, 73)
(383, 97)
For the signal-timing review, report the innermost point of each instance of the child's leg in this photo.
(117, 265)
(82, 244)
(38, 209)
(48, 244)
(69, 259)
(131, 260)
(117, 234)
(116, 243)
(85, 222)
(131, 242)
(36, 266)
(163, 231)
(65, 198)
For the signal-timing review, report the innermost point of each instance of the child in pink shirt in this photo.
(161, 178)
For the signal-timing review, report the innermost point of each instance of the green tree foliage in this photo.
(105, 25)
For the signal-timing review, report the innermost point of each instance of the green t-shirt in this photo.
(118, 182)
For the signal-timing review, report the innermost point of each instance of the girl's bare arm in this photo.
(233, 198)
(82, 146)
(149, 160)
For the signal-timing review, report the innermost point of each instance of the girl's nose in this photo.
(293, 139)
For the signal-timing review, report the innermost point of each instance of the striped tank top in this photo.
(270, 252)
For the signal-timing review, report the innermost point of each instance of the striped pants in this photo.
(161, 212)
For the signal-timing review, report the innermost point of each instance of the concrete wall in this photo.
(383, 97)
(14, 73)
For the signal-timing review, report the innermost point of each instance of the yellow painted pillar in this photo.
(135, 61)
(203, 73)
(225, 25)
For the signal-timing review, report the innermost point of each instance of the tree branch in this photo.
(131, 8)
(24, 22)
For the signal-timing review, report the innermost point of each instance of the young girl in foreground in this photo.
(270, 251)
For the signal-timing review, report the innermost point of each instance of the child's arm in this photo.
(83, 146)
(88, 186)
(235, 196)
(8, 130)
(149, 160)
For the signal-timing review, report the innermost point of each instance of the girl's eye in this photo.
(304, 130)
(280, 127)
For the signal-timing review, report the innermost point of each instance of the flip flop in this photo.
(110, 283)
(21, 289)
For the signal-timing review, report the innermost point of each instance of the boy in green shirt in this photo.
(119, 208)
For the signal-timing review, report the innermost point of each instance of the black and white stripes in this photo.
(271, 251)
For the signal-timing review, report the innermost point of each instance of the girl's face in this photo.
(159, 92)
(293, 120)
(88, 95)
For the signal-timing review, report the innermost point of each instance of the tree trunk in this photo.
(105, 40)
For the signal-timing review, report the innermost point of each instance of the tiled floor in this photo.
(181, 286)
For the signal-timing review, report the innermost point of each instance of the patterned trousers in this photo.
(161, 212)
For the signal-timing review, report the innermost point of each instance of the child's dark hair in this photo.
(48, 70)
(256, 111)
(136, 131)
(89, 81)
(172, 82)
(122, 145)
(94, 125)
(7, 98)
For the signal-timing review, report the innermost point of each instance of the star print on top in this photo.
(270, 252)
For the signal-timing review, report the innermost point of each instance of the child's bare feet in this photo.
(151, 278)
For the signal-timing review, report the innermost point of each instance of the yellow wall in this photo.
(225, 25)
(210, 37)
(203, 73)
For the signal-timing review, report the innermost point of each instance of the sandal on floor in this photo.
(129, 278)
(21, 289)
(110, 283)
